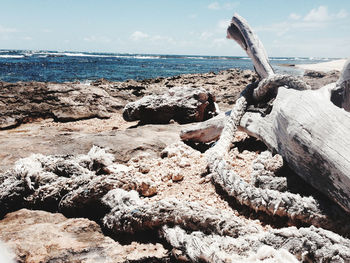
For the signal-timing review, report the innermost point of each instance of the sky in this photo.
(189, 27)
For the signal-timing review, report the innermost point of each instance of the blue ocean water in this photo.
(53, 66)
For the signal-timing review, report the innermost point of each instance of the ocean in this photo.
(54, 66)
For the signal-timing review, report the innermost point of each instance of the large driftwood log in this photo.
(304, 126)
(343, 87)
(309, 132)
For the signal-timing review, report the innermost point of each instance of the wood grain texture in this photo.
(241, 32)
(311, 134)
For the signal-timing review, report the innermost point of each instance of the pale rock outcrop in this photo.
(181, 104)
(38, 236)
(23, 102)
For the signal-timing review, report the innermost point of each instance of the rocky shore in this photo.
(101, 189)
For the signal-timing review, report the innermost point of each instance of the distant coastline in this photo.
(54, 66)
(324, 66)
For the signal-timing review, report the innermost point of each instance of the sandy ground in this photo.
(324, 66)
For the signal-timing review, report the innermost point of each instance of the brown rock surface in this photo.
(181, 104)
(48, 137)
(23, 102)
(319, 79)
(38, 236)
(225, 85)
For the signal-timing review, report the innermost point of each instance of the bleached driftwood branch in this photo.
(341, 93)
(240, 31)
(304, 126)
(310, 132)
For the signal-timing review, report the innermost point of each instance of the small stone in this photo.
(177, 176)
(144, 169)
(147, 189)
(258, 166)
(184, 164)
(117, 168)
(202, 180)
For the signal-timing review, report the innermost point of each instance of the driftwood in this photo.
(342, 89)
(304, 126)
(309, 132)
(240, 31)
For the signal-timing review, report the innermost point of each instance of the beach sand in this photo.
(324, 66)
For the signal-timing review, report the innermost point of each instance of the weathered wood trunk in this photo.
(343, 87)
(311, 134)
(304, 126)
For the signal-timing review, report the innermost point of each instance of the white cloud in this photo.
(162, 39)
(321, 14)
(138, 35)
(316, 18)
(223, 24)
(294, 16)
(7, 29)
(193, 16)
(341, 14)
(223, 6)
(98, 39)
(219, 42)
(318, 14)
(230, 5)
(27, 38)
(205, 35)
(214, 6)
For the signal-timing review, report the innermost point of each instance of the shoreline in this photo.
(52, 122)
(328, 66)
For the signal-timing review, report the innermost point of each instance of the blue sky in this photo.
(197, 27)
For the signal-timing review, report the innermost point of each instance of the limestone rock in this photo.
(38, 236)
(52, 140)
(23, 102)
(182, 104)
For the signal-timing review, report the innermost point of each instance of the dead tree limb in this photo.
(240, 31)
(304, 126)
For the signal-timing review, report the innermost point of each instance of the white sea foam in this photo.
(72, 54)
(146, 57)
(86, 82)
(11, 56)
(280, 59)
(85, 55)
(196, 57)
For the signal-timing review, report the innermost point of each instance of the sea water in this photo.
(54, 66)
